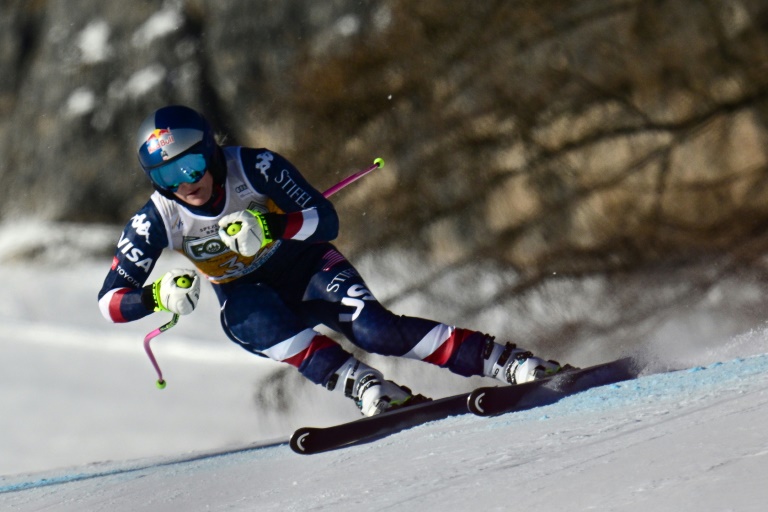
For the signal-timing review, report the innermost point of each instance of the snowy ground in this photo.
(690, 440)
(76, 389)
(83, 427)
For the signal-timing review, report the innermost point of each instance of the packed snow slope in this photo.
(83, 428)
(693, 439)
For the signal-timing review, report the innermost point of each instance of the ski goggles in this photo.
(187, 169)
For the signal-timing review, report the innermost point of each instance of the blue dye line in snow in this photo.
(669, 384)
(674, 385)
(43, 482)
(78, 477)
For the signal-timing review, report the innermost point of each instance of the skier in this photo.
(253, 226)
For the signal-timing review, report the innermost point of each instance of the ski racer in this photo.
(260, 233)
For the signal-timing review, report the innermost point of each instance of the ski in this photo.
(492, 401)
(485, 401)
(309, 440)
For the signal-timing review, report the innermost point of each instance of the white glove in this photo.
(177, 291)
(244, 232)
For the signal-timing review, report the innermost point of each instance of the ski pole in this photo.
(160, 381)
(377, 163)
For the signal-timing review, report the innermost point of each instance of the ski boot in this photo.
(512, 365)
(370, 391)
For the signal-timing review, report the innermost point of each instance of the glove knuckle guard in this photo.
(169, 296)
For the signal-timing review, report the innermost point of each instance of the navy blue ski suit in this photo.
(272, 302)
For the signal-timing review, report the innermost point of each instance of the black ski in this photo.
(308, 440)
(491, 401)
(486, 401)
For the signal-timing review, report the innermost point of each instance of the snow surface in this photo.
(83, 427)
(690, 440)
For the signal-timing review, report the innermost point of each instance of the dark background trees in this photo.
(538, 152)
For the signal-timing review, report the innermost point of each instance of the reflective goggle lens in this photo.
(187, 169)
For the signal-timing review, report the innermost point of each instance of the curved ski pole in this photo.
(160, 381)
(377, 163)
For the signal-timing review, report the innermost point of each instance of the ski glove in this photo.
(245, 232)
(177, 292)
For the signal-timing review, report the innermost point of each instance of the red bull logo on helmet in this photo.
(158, 139)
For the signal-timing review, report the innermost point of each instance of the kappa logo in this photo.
(141, 225)
(264, 163)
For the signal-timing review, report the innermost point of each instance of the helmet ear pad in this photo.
(217, 164)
